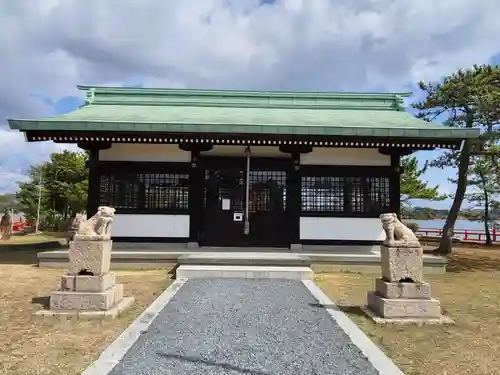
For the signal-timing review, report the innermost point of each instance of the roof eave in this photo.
(78, 126)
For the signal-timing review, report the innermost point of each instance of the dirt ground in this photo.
(32, 345)
(469, 293)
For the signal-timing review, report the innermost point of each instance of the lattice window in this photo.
(345, 195)
(355, 196)
(105, 191)
(166, 191)
(267, 189)
(127, 192)
(145, 191)
(378, 193)
(322, 194)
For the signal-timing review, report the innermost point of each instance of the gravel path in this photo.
(238, 326)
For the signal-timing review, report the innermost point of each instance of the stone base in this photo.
(194, 271)
(399, 263)
(406, 321)
(417, 290)
(404, 308)
(93, 301)
(113, 312)
(86, 283)
(91, 256)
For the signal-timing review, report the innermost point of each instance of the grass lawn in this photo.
(52, 345)
(469, 293)
(23, 239)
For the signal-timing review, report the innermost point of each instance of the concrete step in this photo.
(189, 271)
(246, 259)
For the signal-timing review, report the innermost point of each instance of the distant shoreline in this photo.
(443, 218)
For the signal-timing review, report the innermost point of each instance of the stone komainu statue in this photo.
(396, 233)
(6, 226)
(98, 227)
(79, 218)
(75, 223)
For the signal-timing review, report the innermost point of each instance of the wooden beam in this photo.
(196, 147)
(89, 146)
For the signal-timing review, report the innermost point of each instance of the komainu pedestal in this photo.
(401, 295)
(89, 288)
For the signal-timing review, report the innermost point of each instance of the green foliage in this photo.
(412, 185)
(467, 99)
(423, 213)
(483, 184)
(484, 179)
(8, 201)
(64, 185)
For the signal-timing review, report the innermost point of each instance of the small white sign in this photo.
(238, 216)
(226, 204)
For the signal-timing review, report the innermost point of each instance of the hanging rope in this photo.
(247, 191)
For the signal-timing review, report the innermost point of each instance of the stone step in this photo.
(188, 271)
(246, 259)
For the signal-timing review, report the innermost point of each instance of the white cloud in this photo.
(49, 46)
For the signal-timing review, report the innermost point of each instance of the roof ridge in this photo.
(106, 95)
(125, 89)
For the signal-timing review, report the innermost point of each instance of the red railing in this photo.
(463, 234)
(19, 225)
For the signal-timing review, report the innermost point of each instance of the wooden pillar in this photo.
(195, 199)
(94, 181)
(196, 191)
(395, 184)
(294, 201)
(294, 193)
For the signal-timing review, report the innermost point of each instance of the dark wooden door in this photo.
(223, 221)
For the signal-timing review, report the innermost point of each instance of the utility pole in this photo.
(246, 227)
(11, 220)
(39, 203)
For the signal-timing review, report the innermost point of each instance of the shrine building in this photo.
(244, 168)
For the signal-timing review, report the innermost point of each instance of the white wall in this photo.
(127, 225)
(345, 156)
(144, 152)
(319, 156)
(311, 228)
(341, 228)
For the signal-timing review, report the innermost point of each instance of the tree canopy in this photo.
(64, 183)
(468, 99)
(412, 185)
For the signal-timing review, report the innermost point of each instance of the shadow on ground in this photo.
(43, 302)
(213, 364)
(352, 310)
(348, 309)
(26, 253)
(464, 262)
(173, 272)
(19, 256)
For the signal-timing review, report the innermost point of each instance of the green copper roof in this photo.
(207, 111)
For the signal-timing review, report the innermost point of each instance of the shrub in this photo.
(413, 226)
